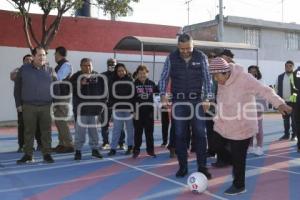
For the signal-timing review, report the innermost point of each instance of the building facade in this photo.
(277, 42)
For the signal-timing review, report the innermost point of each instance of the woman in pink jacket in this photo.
(236, 118)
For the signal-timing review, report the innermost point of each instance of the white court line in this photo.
(51, 166)
(273, 169)
(273, 155)
(52, 184)
(162, 177)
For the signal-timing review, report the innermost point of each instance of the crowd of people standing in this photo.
(205, 94)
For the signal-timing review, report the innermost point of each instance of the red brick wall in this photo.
(81, 34)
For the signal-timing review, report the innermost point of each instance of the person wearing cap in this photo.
(187, 69)
(227, 55)
(236, 117)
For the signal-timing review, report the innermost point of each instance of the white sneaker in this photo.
(250, 150)
(259, 151)
(106, 147)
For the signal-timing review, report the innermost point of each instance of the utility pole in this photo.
(221, 22)
(282, 11)
(188, 9)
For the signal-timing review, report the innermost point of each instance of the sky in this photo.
(175, 12)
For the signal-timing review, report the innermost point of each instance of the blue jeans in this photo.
(182, 129)
(118, 123)
(80, 132)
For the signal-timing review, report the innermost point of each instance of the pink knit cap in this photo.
(218, 65)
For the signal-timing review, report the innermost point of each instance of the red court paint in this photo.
(64, 190)
(273, 184)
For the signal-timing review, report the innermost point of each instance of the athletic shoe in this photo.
(251, 150)
(182, 172)
(112, 152)
(235, 191)
(25, 159)
(259, 151)
(96, 153)
(48, 158)
(77, 155)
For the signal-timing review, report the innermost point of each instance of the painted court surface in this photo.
(274, 176)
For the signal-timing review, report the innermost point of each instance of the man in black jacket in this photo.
(284, 90)
(88, 102)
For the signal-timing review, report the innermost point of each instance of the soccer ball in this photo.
(197, 182)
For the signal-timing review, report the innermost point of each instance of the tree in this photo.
(50, 27)
(116, 8)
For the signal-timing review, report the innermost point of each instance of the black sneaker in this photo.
(77, 155)
(152, 154)
(234, 190)
(129, 150)
(96, 153)
(25, 159)
(182, 172)
(284, 137)
(112, 152)
(136, 153)
(20, 150)
(204, 171)
(48, 158)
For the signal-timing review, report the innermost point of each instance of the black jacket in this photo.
(95, 87)
(123, 92)
(296, 89)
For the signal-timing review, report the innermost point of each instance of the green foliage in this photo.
(51, 27)
(119, 8)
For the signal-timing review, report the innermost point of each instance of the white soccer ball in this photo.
(197, 182)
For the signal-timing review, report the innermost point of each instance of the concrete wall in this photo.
(272, 51)
(11, 58)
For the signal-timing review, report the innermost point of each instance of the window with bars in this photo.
(292, 41)
(252, 36)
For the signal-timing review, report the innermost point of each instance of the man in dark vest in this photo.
(33, 98)
(187, 69)
(62, 100)
(296, 109)
(284, 90)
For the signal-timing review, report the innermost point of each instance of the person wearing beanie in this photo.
(236, 117)
(187, 69)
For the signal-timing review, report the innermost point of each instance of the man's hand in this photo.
(284, 109)
(164, 101)
(206, 105)
(19, 109)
